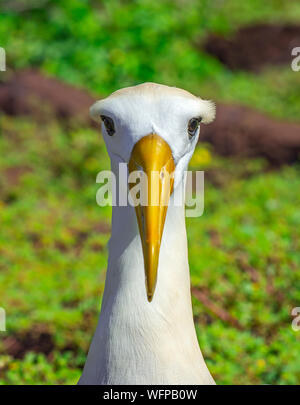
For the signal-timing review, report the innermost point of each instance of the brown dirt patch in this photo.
(31, 93)
(102, 227)
(244, 132)
(251, 48)
(13, 174)
(237, 130)
(37, 340)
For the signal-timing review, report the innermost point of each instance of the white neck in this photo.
(137, 342)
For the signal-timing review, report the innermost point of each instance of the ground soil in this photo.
(254, 47)
(241, 131)
(236, 131)
(39, 341)
(31, 93)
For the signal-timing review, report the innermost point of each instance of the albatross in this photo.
(146, 333)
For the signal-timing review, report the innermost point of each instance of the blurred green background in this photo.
(244, 251)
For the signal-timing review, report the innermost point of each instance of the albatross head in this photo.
(153, 129)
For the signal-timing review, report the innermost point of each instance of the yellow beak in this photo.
(153, 156)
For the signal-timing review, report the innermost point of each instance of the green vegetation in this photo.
(245, 249)
(110, 44)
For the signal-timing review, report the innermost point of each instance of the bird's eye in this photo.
(193, 126)
(109, 125)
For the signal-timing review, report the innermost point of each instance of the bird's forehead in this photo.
(149, 99)
(152, 90)
(153, 103)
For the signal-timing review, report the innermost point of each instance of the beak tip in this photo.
(149, 297)
(150, 285)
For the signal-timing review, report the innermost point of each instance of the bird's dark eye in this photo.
(109, 125)
(193, 126)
